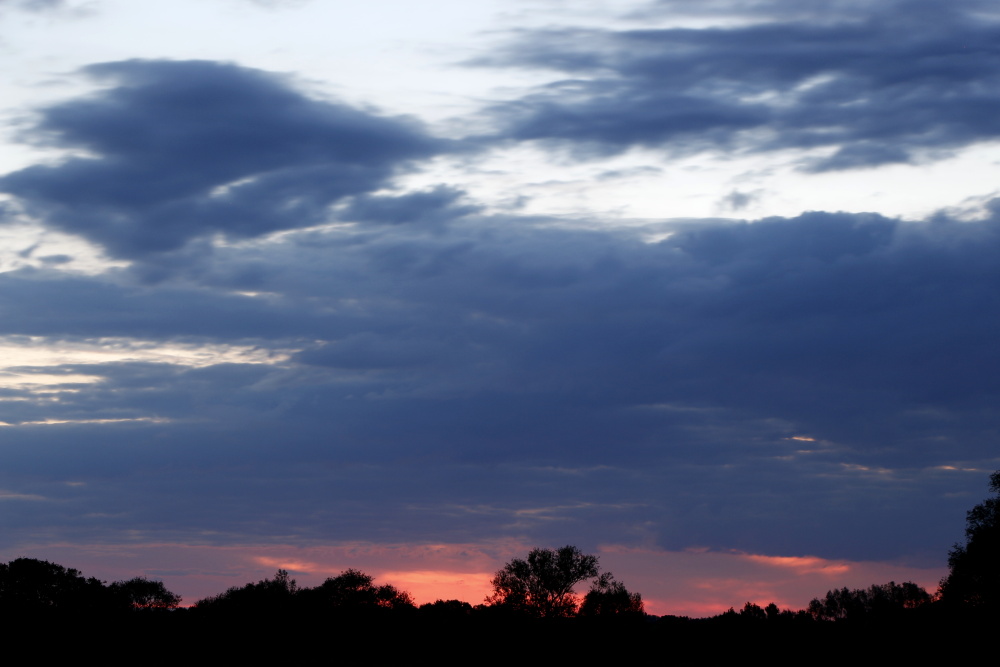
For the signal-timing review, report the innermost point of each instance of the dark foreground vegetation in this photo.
(534, 613)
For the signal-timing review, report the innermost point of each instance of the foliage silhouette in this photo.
(351, 592)
(28, 586)
(446, 609)
(542, 585)
(31, 585)
(140, 593)
(974, 577)
(266, 596)
(753, 612)
(608, 597)
(880, 600)
(354, 590)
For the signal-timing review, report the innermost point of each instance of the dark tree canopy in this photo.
(975, 567)
(542, 584)
(267, 595)
(754, 612)
(609, 597)
(447, 609)
(878, 600)
(141, 593)
(354, 590)
(28, 585)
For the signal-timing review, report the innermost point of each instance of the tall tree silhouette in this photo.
(975, 567)
(542, 584)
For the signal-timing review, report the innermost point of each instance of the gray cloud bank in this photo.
(450, 380)
(891, 83)
(185, 150)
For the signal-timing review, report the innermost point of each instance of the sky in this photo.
(709, 289)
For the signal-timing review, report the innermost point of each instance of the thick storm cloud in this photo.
(471, 373)
(898, 83)
(183, 150)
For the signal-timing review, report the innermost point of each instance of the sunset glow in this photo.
(707, 289)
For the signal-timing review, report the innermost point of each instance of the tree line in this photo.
(28, 585)
(540, 586)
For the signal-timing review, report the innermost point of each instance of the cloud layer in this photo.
(894, 84)
(178, 151)
(296, 345)
(494, 376)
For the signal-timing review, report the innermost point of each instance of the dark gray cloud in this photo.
(737, 201)
(499, 378)
(33, 5)
(873, 84)
(180, 151)
(53, 305)
(798, 10)
(442, 204)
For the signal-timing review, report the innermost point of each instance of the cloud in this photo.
(899, 83)
(737, 201)
(34, 5)
(182, 150)
(54, 305)
(438, 205)
(798, 10)
(501, 377)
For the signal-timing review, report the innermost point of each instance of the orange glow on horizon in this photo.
(694, 582)
(431, 585)
(424, 585)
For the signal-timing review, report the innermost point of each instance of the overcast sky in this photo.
(710, 288)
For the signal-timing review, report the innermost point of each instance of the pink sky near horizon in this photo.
(694, 582)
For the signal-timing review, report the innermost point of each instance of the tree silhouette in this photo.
(140, 593)
(608, 597)
(753, 612)
(542, 585)
(878, 600)
(31, 585)
(445, 610)
(266, 596)
(354, 590)
(974, 578)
